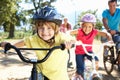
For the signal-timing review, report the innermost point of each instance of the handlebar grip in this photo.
(62, 46)
(7, 47)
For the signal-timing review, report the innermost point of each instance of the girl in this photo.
(47, 24)
(86, 35)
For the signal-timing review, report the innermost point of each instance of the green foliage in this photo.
(21, 34)
(3, 36)
(8, 9)
(18, 35)
(9, 17)
(11, 14)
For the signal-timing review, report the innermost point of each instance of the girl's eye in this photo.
(84, 26)
(50, 28)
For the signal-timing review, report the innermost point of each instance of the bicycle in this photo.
(34, 62)
(91, 73)
(111, 56)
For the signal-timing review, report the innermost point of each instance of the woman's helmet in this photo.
(88, 18)
(48, 14)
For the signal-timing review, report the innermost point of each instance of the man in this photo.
(111, 17)
(111, 21)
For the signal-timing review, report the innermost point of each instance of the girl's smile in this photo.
(87, 27)
(46, 32)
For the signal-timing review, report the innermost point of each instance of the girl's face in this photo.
(46, 32)
(87, 27)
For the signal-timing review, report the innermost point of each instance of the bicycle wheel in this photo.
(108, 59)
(118, 59)
(96, 78)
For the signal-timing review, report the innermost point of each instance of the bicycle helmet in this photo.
(48, 14)
(88, 18)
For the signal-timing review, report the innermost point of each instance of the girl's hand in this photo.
(2, 44)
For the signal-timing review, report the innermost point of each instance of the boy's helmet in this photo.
(48, 14)
(88, 18)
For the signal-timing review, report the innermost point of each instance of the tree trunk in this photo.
(11, 31)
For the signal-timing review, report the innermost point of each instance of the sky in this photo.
(67, 6)
(71, 8)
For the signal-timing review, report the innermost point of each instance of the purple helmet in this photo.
(88, 18)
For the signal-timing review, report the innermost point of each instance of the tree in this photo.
(11, 14)
(40, 3)
(8, 18)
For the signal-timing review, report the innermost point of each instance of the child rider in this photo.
(86, 35)
(47, 22)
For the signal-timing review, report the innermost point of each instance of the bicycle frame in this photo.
(117, 51)
(112, 55)
(94, 71)
(33, 61)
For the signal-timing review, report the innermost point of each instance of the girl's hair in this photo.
(91, 23)
(40, 23)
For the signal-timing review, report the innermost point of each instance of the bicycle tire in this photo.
(118, 59)
(96, 78)
(108, 59)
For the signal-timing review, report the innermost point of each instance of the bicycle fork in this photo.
(34, 72)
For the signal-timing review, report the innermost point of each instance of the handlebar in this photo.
(100, 49)
(50, 50)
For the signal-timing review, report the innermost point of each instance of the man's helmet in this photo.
(48, 14)
(88, 18)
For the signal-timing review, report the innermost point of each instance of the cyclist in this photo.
(47, 22)
(111, 20)
(86, 35)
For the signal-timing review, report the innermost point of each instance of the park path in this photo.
(12, 68)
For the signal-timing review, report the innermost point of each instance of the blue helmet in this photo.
(48, 14)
